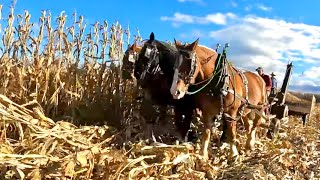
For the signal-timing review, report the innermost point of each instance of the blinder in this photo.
(189, 79)
(149, 51)
(152, 54)
(133, 57)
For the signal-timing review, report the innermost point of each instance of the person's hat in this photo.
(272, 74)
(259, 68)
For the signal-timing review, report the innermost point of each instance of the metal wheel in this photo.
(305, 119)
(280, 111)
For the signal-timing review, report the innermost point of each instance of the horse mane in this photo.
(168, 46)
(207, 47)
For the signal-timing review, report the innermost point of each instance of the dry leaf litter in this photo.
(35, 147)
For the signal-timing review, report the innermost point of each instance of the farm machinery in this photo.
(282, 108)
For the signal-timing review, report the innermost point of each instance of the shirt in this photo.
(274, 82)
(267, 80)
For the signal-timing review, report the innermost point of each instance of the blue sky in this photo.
(260, 33)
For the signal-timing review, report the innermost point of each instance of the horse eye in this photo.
(188, 56)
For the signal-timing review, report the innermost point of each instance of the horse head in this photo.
(129, 59)
(154, 58)
(186, 69)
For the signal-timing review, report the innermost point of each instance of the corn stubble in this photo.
(54, 77)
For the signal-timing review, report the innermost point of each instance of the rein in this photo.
(215, 72)
(222, 68)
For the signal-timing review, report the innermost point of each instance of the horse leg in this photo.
(194, 115)
(223, 137)
(230, 120)
(163, 116)
(182, 121)
(248, 125)
(148, 113)
(206, 135)
(189, 113)
(252, 132)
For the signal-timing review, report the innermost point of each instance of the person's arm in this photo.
(270, 81)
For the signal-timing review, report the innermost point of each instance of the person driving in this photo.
(266, 79)
(274, 84)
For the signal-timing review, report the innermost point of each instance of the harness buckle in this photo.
(148, 52)
(224, 91)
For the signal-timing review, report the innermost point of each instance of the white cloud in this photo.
(233, 3)
(189, 0)
(263, 7)
(193, 1)
(271, 43)
(248, 8)
(217, 18)
(193, 35)
(178, 17)
(272, 39)
(312, 73)
(258, 6)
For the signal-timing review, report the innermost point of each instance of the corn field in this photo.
(67, 71)
(66, 113)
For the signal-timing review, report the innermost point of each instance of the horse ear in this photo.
(194, 45)
(134, 45)
(177, 43)
(151, 36)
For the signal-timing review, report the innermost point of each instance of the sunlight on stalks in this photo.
(66, 67)
(57, 70)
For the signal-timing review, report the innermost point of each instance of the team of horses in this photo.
(198, 82)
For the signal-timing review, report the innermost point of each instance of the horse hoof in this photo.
(249, 147)
(205, 158)
(269, 135)
(192, 136)
(234, 159)
(248, 152)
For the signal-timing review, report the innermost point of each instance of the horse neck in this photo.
(206, 69)
(167, 62)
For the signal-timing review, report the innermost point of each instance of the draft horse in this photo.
(153, 70)
(222, 91)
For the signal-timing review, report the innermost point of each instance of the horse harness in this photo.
(152, 53)
(222, 85)
(133, 57)
(193, 68)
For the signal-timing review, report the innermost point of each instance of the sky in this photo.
(266, 33)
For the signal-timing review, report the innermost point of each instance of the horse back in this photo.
(256, 88)
(203, 53)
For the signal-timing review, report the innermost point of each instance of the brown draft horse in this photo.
(221, 91)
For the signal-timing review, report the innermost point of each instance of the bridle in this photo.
(193, 66)
(133, 57)
(152, 54)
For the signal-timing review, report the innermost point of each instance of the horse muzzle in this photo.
(178, 94)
